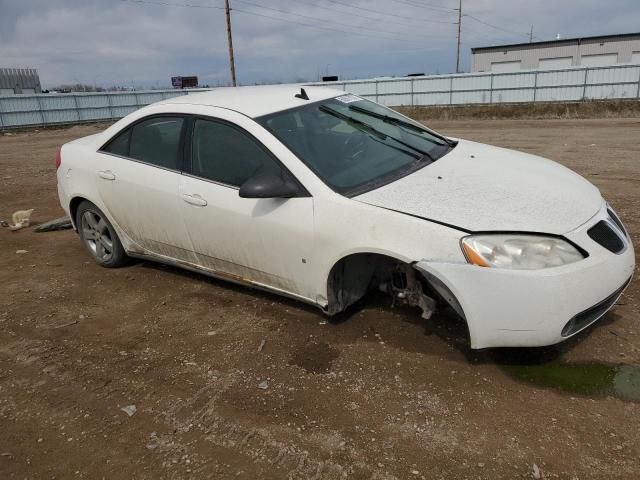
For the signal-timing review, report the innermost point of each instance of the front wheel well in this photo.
(354, 275)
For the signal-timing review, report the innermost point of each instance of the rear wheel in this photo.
(99, 237)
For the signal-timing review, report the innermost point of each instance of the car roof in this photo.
(255, 101)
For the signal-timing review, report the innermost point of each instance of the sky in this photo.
(145, 42)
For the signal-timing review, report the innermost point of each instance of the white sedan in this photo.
(322, 196)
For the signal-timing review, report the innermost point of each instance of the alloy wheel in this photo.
(97, 235)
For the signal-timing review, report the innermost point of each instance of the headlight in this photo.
(519, 252)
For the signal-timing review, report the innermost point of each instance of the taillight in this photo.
(59, 158)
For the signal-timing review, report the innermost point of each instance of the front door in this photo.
(266, 241)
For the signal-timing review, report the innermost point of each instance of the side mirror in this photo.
(268, 185)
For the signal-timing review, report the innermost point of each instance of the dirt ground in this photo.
(380, 395)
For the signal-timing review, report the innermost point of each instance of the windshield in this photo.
(355, 145)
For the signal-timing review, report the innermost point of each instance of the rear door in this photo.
(267, 241)
(139, 182)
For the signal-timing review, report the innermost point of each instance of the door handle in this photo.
(194, 199)
(107, 175)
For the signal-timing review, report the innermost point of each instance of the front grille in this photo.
(616, 220)
(604, 234)
(590, 315)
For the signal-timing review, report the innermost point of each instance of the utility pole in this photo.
(459, 27)
(230, 41)
(531, 35)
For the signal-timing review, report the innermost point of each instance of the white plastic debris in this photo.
(537, 474)
(263, 385)
(130, 410)
(21, 219)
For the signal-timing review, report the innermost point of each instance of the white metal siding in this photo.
(573, 84)
(558, 62)
(635, 57)
(368, 88)
(534, 55)
(512, 66)
(19, 80)
(599, 59)
(49, 109)
(569, 84)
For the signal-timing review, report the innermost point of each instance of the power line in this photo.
(359, 15)
(459, 23)
(330, 29)
(498, 28)
(256, 14)
(320, 19)
(427, 6)
(167, 4)
(476, 36)
(413, 19)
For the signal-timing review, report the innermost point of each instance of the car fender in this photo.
(369, 229)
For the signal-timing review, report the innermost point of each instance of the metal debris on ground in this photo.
(69, 324)
(62, 223)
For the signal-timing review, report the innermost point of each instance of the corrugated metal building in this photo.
(15, 81)
(571, 52)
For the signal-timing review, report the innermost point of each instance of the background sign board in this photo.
(184, 82)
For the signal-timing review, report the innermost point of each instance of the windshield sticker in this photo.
(348, 98)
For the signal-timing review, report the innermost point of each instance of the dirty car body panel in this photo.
(520, 247)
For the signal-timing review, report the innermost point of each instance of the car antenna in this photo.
(303, 95)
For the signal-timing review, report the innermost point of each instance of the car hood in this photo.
(479, 187)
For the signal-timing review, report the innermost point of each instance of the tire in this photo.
(99, 237)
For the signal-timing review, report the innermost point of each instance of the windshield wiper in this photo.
(354, 121)
(397, 121)
(386, 118)
(381, 135)
(417, 156)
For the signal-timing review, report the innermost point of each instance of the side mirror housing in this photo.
(268, 185)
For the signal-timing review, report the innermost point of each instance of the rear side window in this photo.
(155, 141)
(120, 144)
(227, 155)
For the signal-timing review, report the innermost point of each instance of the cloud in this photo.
(115, 42)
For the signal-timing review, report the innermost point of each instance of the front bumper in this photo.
(530, 308)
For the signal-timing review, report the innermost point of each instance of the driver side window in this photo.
(226, 155)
